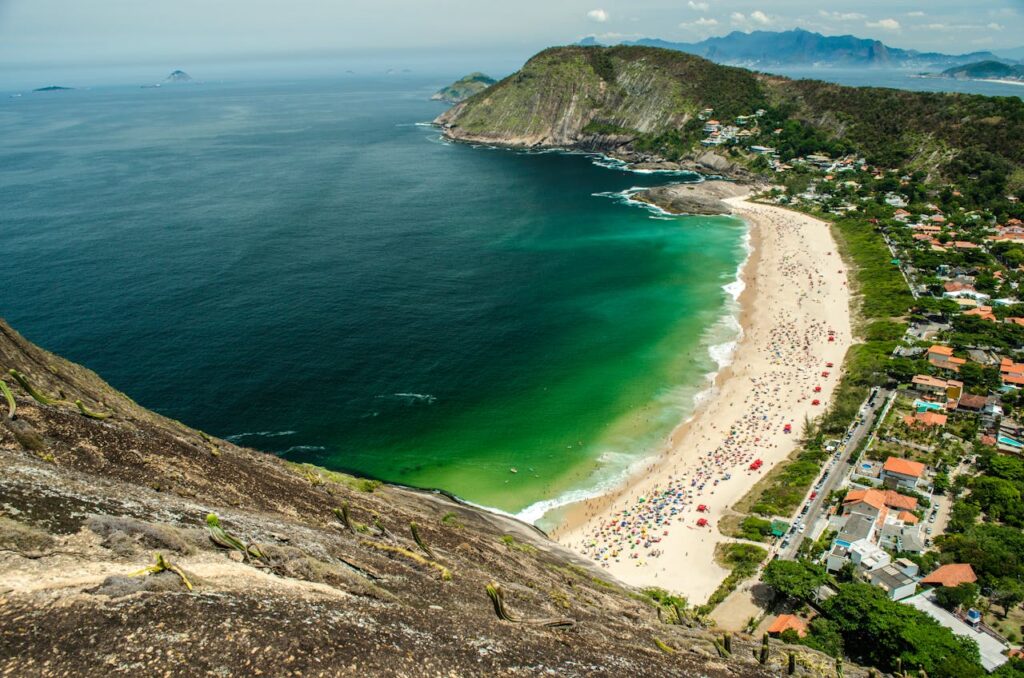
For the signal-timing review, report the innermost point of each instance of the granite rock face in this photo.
(329, 577)
(693, 198)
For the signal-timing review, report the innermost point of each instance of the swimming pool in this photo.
(1007, 440)
(924, 406)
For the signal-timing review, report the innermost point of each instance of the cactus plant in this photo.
(497, 598)
(839, 667)
(38, 396)
(791, 664)
(163, 565)
(220, 537)
(727, 642)
(762, 657)
(721, 649)
(12, 407)
(344, 517)
(662, 645)
(90, 413)
(446, 574)
(414, 528)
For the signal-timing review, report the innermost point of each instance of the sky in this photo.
(54, 36)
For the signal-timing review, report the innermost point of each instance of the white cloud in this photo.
(598, 15)
(915, 14)
(995, 27)
(702, 22)
(698, 6)
(759, 17)
(884, 24)
(842, 16)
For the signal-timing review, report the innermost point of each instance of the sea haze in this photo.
(305, 269)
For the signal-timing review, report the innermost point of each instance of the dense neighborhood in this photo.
(924, 509)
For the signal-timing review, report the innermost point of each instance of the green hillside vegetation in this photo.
(650, 98)
(985, 69)
(464, 87)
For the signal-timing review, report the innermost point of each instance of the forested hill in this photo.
(628, 100)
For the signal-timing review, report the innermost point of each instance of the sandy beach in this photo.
(795, 297)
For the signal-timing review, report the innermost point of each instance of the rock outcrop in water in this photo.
(700, 198)
(178, 76)
(108, 564)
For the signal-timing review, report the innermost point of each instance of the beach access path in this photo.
(796, 297)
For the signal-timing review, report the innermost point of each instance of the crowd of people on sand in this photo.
(794, 350)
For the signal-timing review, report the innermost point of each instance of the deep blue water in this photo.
(304, 268)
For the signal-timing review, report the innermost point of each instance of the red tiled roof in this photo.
(973, 402)
(953, 574)
(880, 498)
(925, 419)
(908, 517)
(903, 467)
(784, 622)
(941, 350)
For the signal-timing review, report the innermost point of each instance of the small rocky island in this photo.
(178, 76)
(53, 88)
(462, 89)
(983, 70)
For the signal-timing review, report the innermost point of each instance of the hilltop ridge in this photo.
(645, 104)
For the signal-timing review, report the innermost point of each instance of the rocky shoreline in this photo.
(705, 197)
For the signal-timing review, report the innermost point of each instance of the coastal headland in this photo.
(660, 528)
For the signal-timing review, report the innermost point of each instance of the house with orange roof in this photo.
(949, 390)
(943, 358)
(908, 517)
(964, 245)
(788, 622)
(951, 575)
(878, 499)
(983, 312)
(1014, 320)
(1011, 373)
(902, 473)
(925, 419)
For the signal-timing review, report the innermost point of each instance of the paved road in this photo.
(837, 469)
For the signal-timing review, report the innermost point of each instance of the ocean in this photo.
(308, 269)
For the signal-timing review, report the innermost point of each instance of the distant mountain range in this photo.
(804, 48)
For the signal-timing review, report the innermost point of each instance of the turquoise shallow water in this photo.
(303, 268)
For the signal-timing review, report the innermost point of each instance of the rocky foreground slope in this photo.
(310, 572)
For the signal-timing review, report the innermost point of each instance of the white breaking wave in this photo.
(414, 397)
(721, 352)
(305, 448)
(260, 434)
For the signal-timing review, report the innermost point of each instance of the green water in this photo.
(302, 267)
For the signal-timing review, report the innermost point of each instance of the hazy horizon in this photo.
(61, 42)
